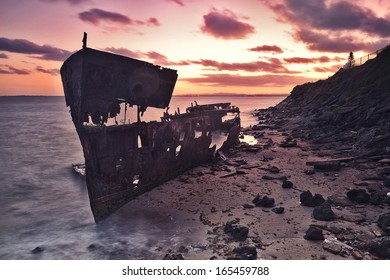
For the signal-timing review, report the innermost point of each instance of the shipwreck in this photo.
(125, 159)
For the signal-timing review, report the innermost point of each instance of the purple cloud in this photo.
(12, 70)
(95, 16)
(305, 60)
(249, 81)
(45, 52)
(3, 55)
(267, 48)
(341, 15)
(225, 25)
(274, 66)
(317, 41)
(334, 26)
(52, 72)
(178, 2)
(72, 2)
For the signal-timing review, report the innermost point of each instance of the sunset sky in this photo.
(220, 46)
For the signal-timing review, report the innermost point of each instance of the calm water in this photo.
(42, 203)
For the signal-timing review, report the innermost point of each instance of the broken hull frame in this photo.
(125, 161)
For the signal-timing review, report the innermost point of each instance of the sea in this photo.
(44, 206)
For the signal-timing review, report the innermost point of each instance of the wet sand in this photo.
(199, 204)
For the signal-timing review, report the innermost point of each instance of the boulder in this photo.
(307, 199)
(314, 233)
(287, 184)
(386, 182)
(278, 210)
(380, 248)
(358, 196)
(237, 232)
(324, 212)
(263, 201)
(327, 166)
(37, 250)
(384, 222)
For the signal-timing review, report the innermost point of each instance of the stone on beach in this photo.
(324, 212)
(37, 250)
(314, 233)
(380, 248)
(237, 232)
(384, 222)
(358, 196)
(265, 201)
(287, 184)
(278, 210)
(307, 199)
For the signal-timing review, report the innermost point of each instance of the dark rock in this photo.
(376, 198)
(245, 253)
(274, 169)
(238, 233)
(380, 248)
(327, 166)
(386, 182)
(267, 177)
(384, 222)
(174, 257)
(278, 210)
(92, 247)
(287, 184)
(314, 233)
(386, 200)
(310, 171)
(37, 250)
(358, 196)
(263, 201)
(307, 199)
(248, 206)
(323, 212)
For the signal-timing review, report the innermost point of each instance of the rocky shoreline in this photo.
(276, 201)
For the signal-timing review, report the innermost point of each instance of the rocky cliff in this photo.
(352, 107)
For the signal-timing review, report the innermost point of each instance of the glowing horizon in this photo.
(256, 47)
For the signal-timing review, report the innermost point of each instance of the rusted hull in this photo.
(119, 168)
(124, 161)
